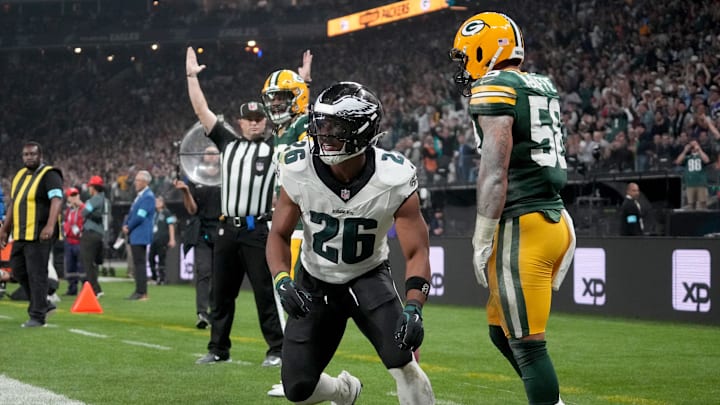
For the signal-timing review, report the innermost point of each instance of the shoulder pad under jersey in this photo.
(394, 169)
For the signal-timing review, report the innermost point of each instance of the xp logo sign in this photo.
(437, 266)
(589, 276)
(691, 280)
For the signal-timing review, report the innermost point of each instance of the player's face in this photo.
(329, 135)
(279, 101)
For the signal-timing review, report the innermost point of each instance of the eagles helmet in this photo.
(284, 95)
(343, 122)
(483, 42)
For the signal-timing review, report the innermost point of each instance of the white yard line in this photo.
(18, 393)
(86, 333)
(144, 344)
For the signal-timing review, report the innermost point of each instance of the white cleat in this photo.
(277, 391)
(351, 388)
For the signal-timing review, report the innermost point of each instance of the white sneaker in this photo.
(351, 388)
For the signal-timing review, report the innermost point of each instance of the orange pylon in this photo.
(86, 301)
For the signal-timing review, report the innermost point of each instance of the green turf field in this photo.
(144, 353)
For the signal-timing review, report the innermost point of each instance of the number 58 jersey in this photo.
(537, 170)
(345, 226)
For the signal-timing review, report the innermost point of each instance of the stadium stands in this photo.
(617, 64)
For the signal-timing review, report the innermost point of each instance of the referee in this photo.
(247, 186)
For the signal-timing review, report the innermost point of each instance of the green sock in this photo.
(538, 373)
(497, 336)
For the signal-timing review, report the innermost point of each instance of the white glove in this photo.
(483, 246)
(480, 258)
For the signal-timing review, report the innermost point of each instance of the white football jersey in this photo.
(345, 226)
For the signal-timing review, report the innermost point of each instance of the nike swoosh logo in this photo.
(282, 287)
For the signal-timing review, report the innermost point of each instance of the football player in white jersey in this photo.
(348, 193)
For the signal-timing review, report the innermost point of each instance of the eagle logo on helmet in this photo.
(352, 107)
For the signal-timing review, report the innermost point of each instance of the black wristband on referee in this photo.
(417, 283)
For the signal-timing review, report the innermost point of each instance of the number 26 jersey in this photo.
(345, 225)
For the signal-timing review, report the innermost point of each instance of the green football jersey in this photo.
(537, 170)
(695, 175)
(292, 133)
(286, 136)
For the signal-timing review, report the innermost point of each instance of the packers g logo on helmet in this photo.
(482, 42)
(285, 94)
(472, 28)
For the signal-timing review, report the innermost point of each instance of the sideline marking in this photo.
(86, 333)
(143, 344)
(16, 392)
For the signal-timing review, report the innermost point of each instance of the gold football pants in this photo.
(527, 253)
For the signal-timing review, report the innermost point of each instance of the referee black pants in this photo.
(29, 263)
(239, 251)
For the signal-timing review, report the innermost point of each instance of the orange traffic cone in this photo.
(87, 301)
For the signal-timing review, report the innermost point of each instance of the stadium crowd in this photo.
(638, 81)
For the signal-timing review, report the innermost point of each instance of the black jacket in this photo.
(630, 218)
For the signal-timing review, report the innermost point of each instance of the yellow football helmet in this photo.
(285, 94)
(483, 42)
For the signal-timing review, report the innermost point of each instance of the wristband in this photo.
(280, 276)
(417, 283)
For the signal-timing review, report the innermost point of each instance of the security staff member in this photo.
(631, 213)
(35, 202)
(247, 185)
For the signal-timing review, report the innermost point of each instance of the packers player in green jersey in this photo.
(286, 96)
(523, 235)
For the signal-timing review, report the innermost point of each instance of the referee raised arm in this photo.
(248, 175)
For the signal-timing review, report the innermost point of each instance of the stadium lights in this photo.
(77, 50)
(154, 47)
(200, 50)
(110, 58)
(254, 48)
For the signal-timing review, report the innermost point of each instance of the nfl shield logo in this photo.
(259, 166)
(345, 194)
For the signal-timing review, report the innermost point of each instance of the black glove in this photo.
(295, 301)
(409, 332)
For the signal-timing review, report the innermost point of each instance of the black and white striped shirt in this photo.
(248, 172)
